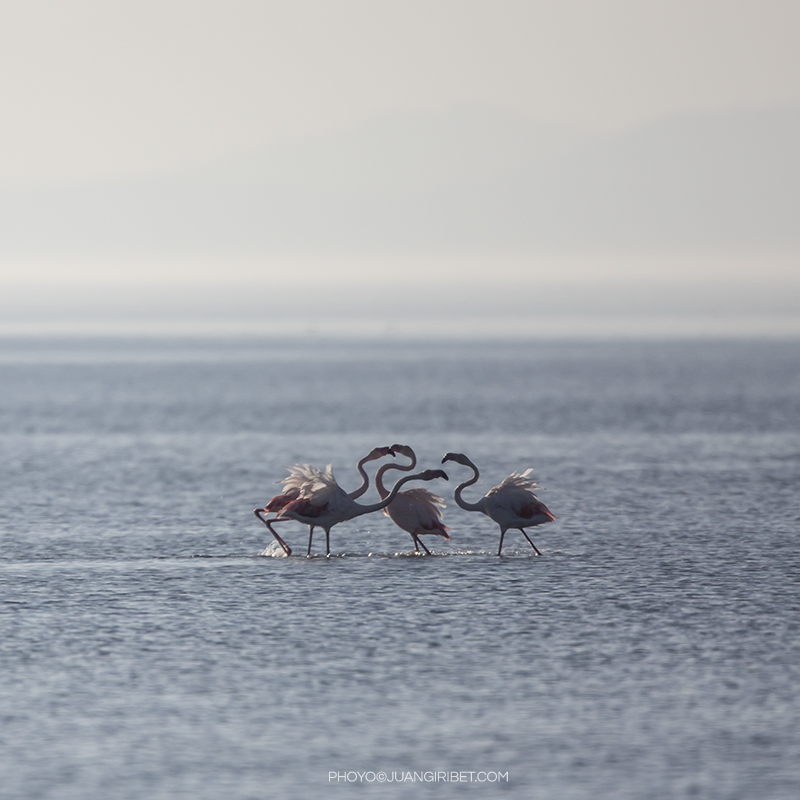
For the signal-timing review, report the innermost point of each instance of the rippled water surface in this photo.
(149, 650)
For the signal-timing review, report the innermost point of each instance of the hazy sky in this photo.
(98, 88)
(130, 90)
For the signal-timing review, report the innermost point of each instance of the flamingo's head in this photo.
(432, 475)
(380, 452)
(404, 450)
(459, 458)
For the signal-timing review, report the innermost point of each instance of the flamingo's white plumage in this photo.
(328, 504)
(305, 481)
(511, 504)
(417, 511)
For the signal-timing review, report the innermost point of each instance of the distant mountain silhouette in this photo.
(451, 182)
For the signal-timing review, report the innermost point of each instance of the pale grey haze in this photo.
(463, 182)
(540, 168)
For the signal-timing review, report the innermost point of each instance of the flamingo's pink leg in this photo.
(419, 541)
(535, 550)
(310, 537)
(286, 549)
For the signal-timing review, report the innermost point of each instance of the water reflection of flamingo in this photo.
(416, 510)
(511, 504)
(302, 480)
(331, 506)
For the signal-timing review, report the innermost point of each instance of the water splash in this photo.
(273, 550)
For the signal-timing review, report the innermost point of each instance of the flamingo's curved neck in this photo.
(457, 494)
(382, 490)
(364, 479)
(388, 499)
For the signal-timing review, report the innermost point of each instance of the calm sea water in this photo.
(149, 650)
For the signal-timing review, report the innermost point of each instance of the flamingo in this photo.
(301, 479)
(329, 505)
(417, 510)
(511, 504)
